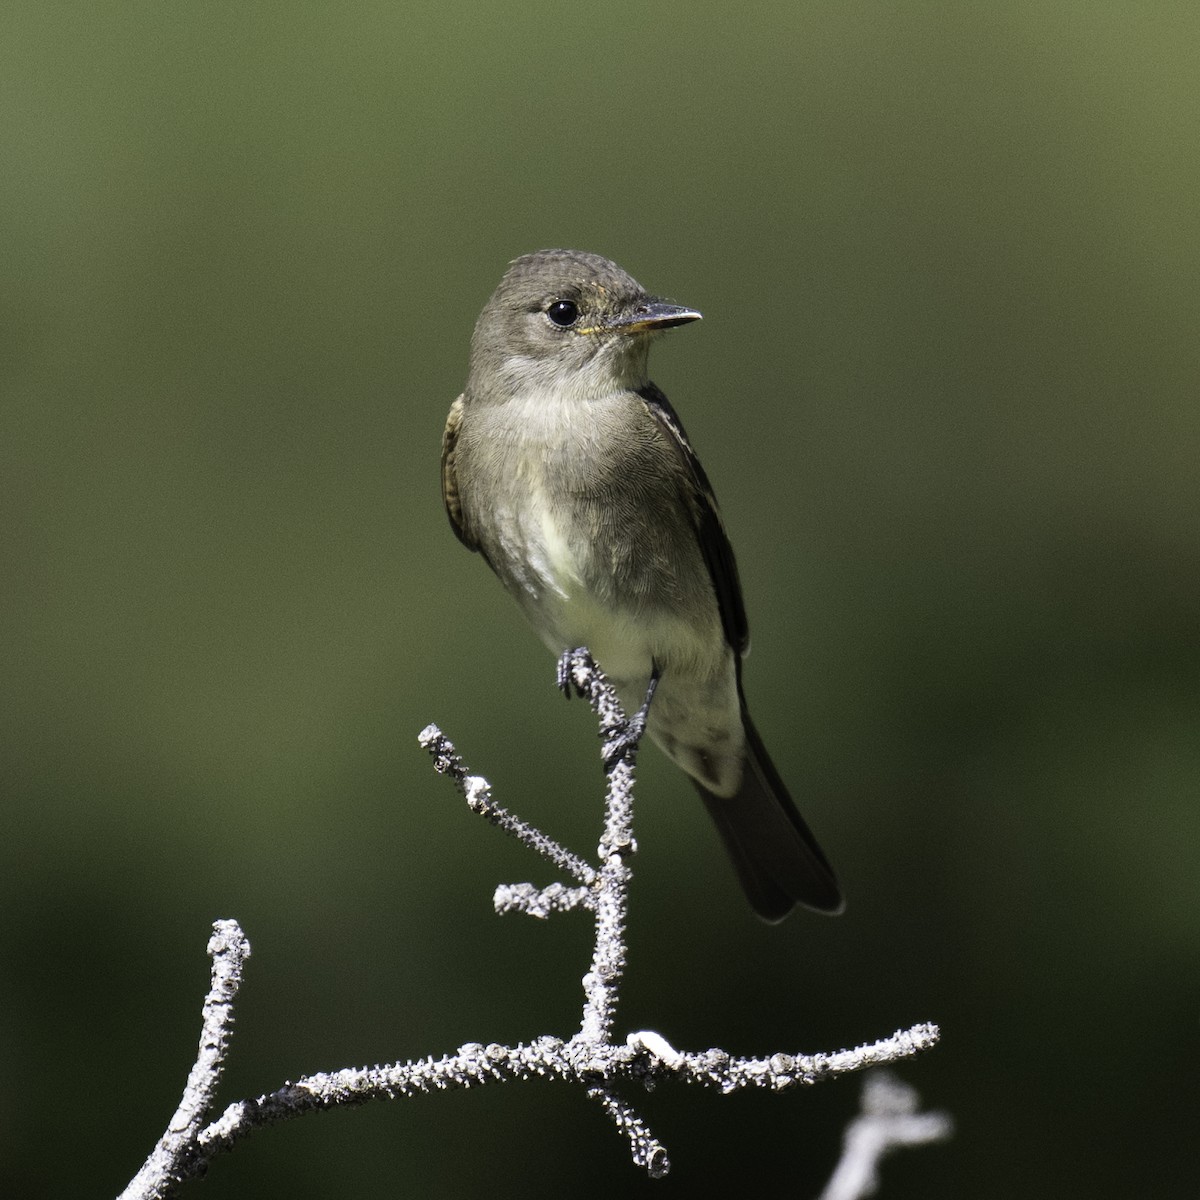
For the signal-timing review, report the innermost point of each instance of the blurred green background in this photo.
(946, 391)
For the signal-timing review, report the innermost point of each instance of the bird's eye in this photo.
(563, 312)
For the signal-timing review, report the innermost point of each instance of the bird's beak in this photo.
(649, 317)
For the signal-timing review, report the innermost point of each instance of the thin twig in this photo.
(590, 1058)
(168, 1161)
(478, 794)
(601, 983)
(889, 1119)
(645, 1149)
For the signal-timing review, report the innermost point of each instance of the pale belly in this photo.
(637, 598)
(696, 714)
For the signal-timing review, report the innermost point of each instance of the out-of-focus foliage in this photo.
(946, 391)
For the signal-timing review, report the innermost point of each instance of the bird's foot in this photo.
(622, 743)
(564, 679)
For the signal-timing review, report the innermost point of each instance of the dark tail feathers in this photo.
(775, 855)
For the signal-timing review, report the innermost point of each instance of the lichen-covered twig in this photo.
(173, 1158)
(478, 794)
(890, 1118)
(590, 1058)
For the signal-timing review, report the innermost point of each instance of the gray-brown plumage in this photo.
(568, 470)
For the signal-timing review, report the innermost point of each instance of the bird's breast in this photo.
(581, 509)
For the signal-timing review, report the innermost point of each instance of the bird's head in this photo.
(570, 322)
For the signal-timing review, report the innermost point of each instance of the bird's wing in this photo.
(706, 517)
(450, 477)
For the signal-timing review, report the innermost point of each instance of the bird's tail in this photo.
(774, 853)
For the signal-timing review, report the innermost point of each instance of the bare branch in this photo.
(478, 794)
(539, 902)
(889, 1119)
(168, 1162)
(590, 1058)
(645, 1149)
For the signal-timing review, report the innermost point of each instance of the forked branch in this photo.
(590, 1058)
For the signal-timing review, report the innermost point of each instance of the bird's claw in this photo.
(563, 677)
(622, 743)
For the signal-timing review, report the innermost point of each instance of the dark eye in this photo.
(563, 312)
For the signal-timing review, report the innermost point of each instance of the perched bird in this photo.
(568, 470)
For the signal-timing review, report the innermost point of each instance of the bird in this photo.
(570, 473)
